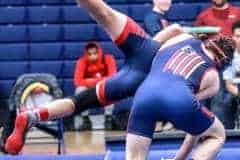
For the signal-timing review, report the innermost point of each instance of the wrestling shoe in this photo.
(16, 140)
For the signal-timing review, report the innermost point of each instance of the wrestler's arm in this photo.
(210, 85)
(186, 147)
(168, 33)
(171, 35)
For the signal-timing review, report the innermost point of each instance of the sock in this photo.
(43, 114)
(37, 115)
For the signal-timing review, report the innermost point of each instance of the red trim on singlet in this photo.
(207, 112)
(130, 27)
(101, 93)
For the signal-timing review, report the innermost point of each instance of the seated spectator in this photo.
(231, 76)
(91, 68)
(221, 14)
(224, 106)
(155, 20)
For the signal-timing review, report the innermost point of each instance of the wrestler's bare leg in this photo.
(211, 142)
(187, 146)
(60, 108)
(114, 22)
(111, 20)
(137, 147)
(56, 109)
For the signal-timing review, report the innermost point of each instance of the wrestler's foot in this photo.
(16, 140)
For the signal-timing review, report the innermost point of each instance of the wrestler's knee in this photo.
(220, 133)
(212, 141)
(216, 131)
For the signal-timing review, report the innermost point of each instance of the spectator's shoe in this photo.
(109, 125)
(120, 121)
(2, 148)
(86, 125)
(168, 127)
(16, 140)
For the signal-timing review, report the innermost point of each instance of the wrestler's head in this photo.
(222, 49)
(162, 5)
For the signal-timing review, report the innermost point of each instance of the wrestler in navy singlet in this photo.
(185, 59)
(135, 45)
(167, 94)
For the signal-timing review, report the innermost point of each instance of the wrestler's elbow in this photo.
(213, 90)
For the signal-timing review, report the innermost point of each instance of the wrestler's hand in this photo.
(176, 28)
(168, 33)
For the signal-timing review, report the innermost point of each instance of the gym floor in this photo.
(87, 142)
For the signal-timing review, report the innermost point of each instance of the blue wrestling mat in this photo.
(226, 154)
(165, 145)
(45, 157)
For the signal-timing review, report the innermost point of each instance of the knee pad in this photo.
(85, 100)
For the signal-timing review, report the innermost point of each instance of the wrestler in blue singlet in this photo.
(167, 94)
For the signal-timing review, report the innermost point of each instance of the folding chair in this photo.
(36, 90)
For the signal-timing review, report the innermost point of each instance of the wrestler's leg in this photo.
(137, 147)
(209, 139)
(111, 20)
(212, 141)
(56, 109)
(186, 147)
(141, 125)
